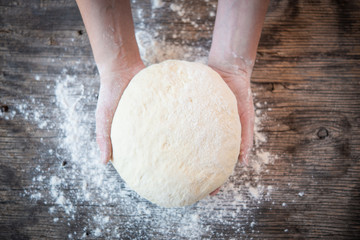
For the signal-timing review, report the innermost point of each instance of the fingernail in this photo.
(214, 192)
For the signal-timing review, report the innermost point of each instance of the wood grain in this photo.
(307, 72)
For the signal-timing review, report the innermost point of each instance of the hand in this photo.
(239, 83)
(110, 27)
(113, 84)
(232, 54)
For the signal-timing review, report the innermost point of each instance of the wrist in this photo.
(231, 64)
(119, 70)
(118, 60)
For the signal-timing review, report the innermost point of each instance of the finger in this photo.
(109, 96)
(213, 193)
(247, 119)
(103, 130)
(104, 116)
(104, 144)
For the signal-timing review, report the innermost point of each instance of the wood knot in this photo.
(322, 133)
(4, 108)
(53, 42)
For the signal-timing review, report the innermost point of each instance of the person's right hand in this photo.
(110, 27)
(112, 85)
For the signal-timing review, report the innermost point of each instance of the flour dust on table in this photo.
(94, 200)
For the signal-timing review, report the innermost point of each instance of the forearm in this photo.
(110, 28)
(236, 34)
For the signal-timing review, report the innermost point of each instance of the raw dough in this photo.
(176, 133)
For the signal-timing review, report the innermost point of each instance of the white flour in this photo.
(80, 185)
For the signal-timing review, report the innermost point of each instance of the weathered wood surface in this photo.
(307, 70)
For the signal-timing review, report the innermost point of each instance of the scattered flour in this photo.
(98, 185)
(153, 51)
(79, 181)
(36, 196)
(157, 3)
(255, 193)
(97, 232)
(178, 9)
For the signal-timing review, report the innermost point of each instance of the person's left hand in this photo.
(239, 83)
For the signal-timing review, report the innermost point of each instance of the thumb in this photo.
(104, 144)
(247, 119)
(105, 111)
(103, 130)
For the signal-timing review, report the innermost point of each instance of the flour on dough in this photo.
(176, 133)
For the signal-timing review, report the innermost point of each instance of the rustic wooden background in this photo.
(307, 70)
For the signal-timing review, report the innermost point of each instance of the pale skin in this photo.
(110, 28)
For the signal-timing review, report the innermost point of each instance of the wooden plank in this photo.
(307, 72)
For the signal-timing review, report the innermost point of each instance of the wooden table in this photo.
(307, 72)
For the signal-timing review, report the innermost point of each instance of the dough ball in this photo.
(176, 133)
